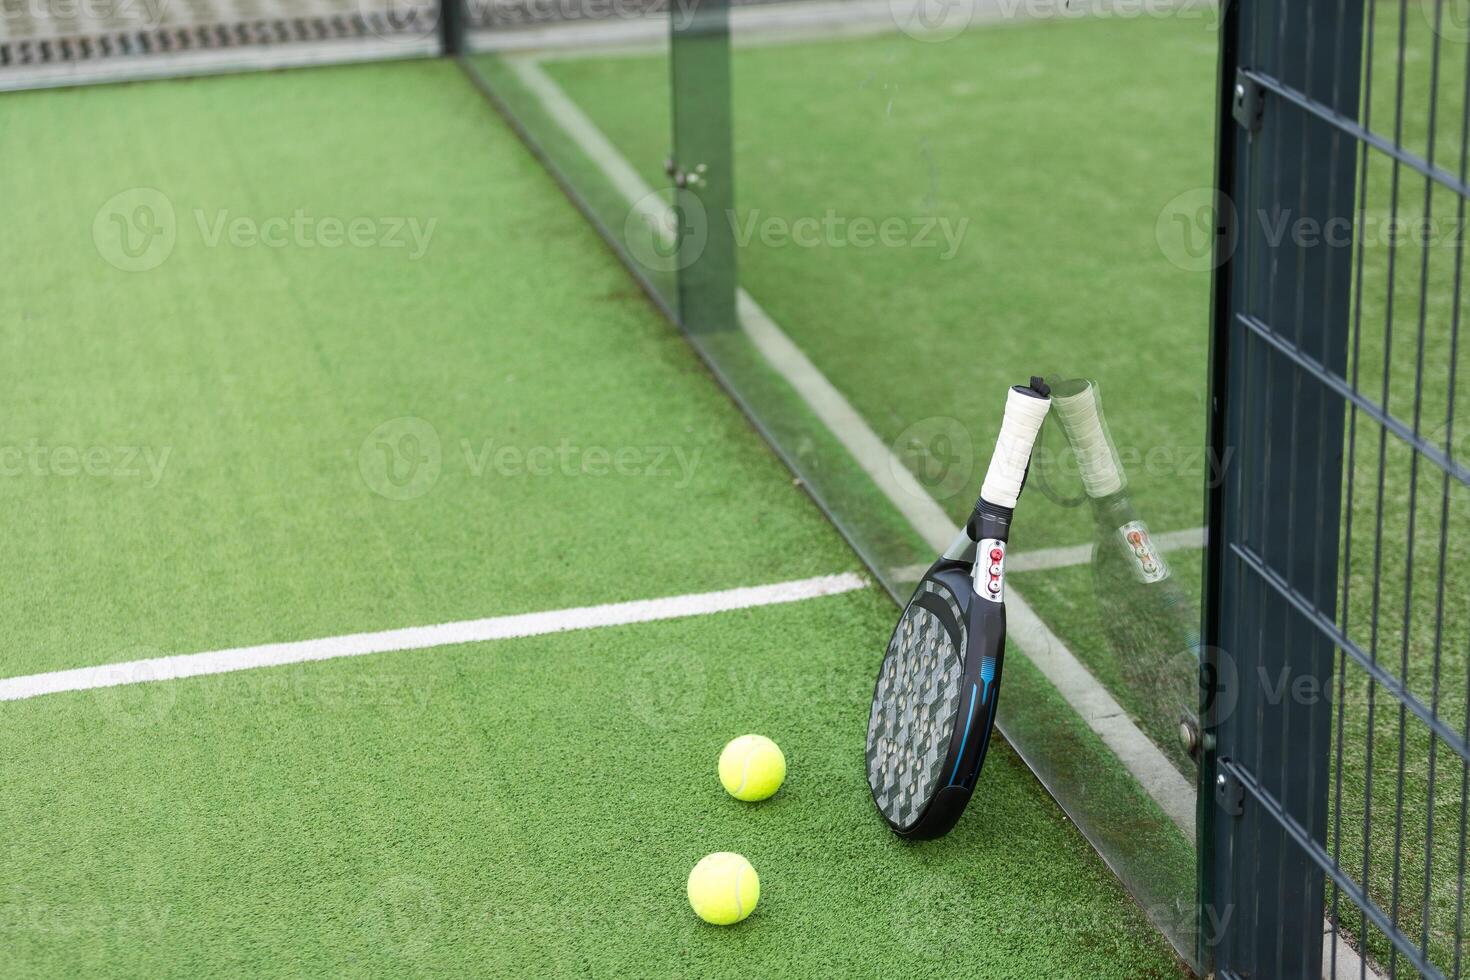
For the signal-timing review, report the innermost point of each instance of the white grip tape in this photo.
(1081, 416)
(1024, 415)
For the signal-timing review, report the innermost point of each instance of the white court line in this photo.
(423, 637)
(1169, 789)
(584, 132)
(871, 453)
(1350, 965)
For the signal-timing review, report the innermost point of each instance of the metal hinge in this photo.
(1249, 101)
(1230, 794)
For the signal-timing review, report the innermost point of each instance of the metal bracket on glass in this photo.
(1249, 102)
(1190, 737)
(1230, 793)
(682, 178)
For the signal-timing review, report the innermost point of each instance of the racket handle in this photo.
(1082, 422)
(1025, 411)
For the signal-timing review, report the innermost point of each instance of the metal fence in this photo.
(1336, 598)
(45, 43)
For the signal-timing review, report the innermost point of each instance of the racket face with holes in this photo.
(916, 720)
(934, 704)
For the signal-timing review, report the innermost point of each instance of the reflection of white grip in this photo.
(1024, 414)
(1081, 416)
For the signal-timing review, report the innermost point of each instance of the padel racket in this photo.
(1152, 625)
(934, 703)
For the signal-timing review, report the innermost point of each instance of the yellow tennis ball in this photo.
(752, 767)
(723, 888)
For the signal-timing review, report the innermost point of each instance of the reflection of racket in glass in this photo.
(1152, 624)
(934, 703)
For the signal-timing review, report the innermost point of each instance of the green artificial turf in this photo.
(1079, 198)
(1060, 187)
(263, 372)
(887, 127)
(1059, 270)
(1152, 680)
(869, 521)
(493, 808)
(604, 203)
(532, 806)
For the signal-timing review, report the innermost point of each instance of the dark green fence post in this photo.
(702, 166)
(451, 27)
(1283, 304)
